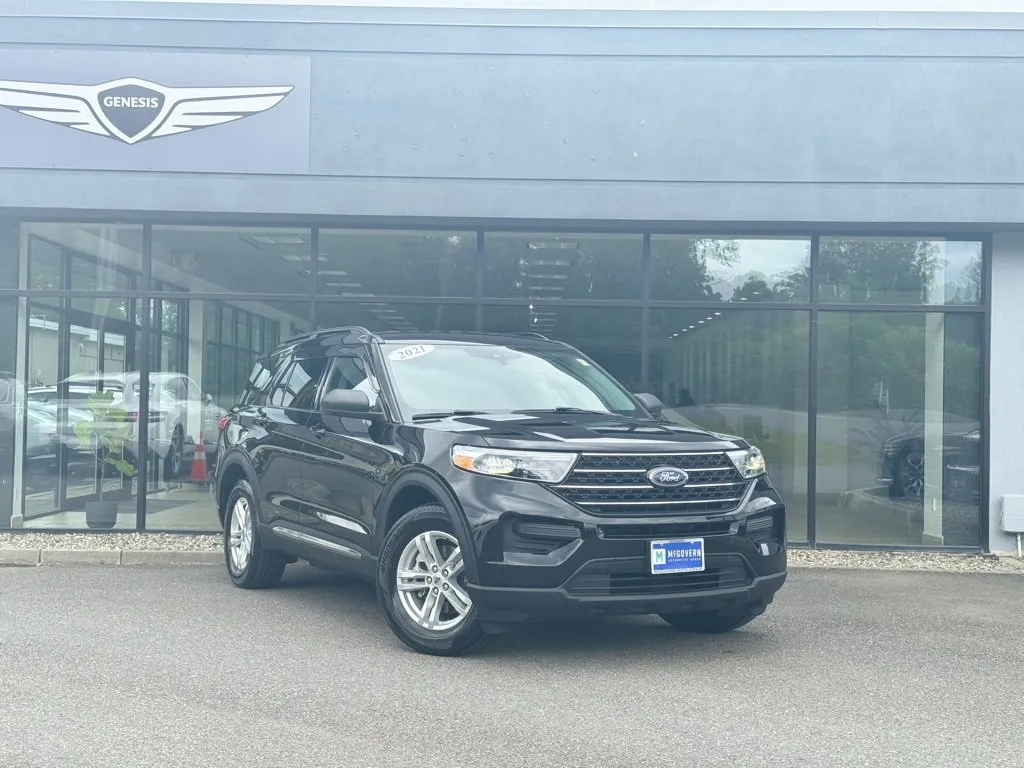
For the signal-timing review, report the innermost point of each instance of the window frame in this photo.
(358, 354)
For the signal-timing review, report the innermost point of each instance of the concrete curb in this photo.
(13, 556)
(79, 557)
(168, 557)
(19, 557)
(27, 557)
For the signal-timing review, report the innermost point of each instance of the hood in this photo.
(582, 432)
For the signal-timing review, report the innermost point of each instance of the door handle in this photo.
(319, 431)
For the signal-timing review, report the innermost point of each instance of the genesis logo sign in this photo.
(133, 110)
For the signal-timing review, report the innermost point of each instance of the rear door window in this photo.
(297, 387)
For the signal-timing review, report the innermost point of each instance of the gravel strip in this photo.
(904, 561)
(798, 558)
(152, 542)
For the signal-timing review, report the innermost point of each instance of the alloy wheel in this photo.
(240, 536)
(912, 475)
(430, 582)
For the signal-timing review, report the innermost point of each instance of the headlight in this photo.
(749, 463)
(543, 466)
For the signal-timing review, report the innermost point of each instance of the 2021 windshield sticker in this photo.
(411, 352)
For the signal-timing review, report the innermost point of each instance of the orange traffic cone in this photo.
(199, 462)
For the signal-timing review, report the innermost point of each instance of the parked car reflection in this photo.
(45, 433)
(902, 465)
(178, 417)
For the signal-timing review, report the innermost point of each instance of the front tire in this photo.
(250, 564)
(712, 622)
(421, 585)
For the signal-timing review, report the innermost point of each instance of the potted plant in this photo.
(106, 435)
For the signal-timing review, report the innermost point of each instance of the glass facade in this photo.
(855, 363)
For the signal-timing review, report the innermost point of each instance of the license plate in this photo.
(677, 556)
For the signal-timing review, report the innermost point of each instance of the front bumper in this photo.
(539, 557)
(508, 604)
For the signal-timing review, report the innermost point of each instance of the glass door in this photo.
(97, 394)
(81, 389)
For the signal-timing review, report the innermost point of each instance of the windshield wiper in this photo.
(444, 415)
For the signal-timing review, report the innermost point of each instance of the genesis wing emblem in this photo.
(133, 110)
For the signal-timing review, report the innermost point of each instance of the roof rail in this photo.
(531, 334)
(327, 331)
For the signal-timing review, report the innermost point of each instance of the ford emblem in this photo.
(667, 477)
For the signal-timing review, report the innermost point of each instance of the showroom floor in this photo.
(185, 507)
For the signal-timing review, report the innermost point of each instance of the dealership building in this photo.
(804, 228)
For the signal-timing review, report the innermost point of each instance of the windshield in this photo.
(494, 378)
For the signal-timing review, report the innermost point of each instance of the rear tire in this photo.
(438, 618)
(712, 622)
(249, 563)
(175, 459)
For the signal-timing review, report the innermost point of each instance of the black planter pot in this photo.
(101, 514)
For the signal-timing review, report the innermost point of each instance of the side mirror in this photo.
(651, 403)
(348, 403)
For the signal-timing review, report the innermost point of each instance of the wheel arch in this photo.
(230, 470)
(414, 488)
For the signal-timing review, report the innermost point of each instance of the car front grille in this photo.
(617, 484)
(633, 576)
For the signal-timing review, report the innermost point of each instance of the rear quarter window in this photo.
(258, 386)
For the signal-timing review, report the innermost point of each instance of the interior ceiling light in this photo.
(547, 277)
(299, 257)
(335, 272)
(718, 314)
(261, 241)
(342, 285)
(562, 245)
(549, 262)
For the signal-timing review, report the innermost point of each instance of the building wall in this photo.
(713, 123)
(526, 115)
(1006, 385)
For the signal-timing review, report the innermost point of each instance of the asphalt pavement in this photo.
(152, 666)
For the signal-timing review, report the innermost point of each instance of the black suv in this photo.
(483, 480)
